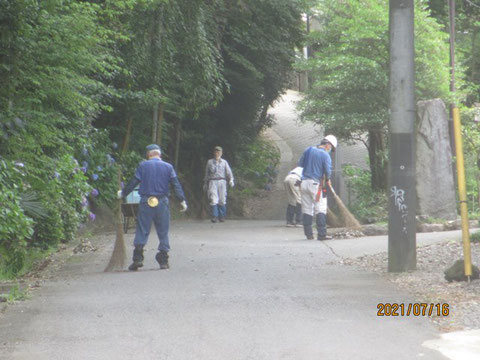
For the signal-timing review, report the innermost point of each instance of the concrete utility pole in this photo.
(402, 252)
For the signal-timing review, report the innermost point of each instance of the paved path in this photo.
(239, 290)
(293, 136)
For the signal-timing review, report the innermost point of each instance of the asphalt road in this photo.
(293, 136)
(238, 290)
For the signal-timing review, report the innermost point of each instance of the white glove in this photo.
(184, 206)
(232, 184)
(119, 194)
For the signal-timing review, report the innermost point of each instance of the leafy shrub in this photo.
(475, 237)
(98, 163)
(15, 227)
(257, 164)
(62, 189)
(368, 206)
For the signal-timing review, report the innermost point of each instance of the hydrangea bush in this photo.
(15, 226)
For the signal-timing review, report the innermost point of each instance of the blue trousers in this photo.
(160, 216)
(219, 211)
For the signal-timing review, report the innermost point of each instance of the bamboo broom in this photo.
(350, 220)
(119, 254)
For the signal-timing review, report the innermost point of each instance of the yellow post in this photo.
(462, 192)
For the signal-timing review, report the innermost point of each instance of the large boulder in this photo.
(456, 272)
(435, 178)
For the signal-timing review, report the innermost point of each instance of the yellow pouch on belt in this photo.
(152, 201)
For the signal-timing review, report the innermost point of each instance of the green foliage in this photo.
(49, 52)
(350, 70)
(17, 294)
(97, 158)
(475, 237)
(471, 150)
(467, 43)
(62, 188)
(467, 57)
(15, 227)
(367, 206)
(71, 67)
(215, 67)
(257, 164)
(32, 259)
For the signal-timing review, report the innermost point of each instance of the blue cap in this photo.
(153, 147)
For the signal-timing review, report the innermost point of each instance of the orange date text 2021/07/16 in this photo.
(413, 309)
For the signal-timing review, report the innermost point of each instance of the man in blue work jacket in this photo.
(154, 176)
(317, 169)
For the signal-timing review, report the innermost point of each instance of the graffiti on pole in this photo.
(399, 196)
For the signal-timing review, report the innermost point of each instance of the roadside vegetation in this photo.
(86, 85)
(348, 94)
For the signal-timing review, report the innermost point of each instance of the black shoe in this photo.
(221, 219)
(326, 237)
(135, 265)
(214, 219)
(309, 237)
(162, 259)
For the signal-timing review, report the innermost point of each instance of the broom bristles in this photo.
(350, 220)
(117, 260)
(333, 220)
(119, 254)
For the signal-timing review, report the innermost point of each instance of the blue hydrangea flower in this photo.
(94, 193)
(85, 151)
(92, 216)
(19, 164)
(84, 169)
(110, 159)
(85, 164)
(99, 168)
(94, 176)
(114, 145)
(56, 174)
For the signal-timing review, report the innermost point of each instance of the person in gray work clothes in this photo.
(217, 174)
(292, 186)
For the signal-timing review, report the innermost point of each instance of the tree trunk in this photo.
(478, 190)
(376, 153)
(158, 138)
(157, 121)
(478, 179)
(473, 65)
(178, 131)
(154, 123)
(126, 140)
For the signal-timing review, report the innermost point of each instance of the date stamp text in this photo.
(413, 309)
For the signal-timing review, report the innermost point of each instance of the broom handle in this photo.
(331, 188)
(119, 201)
(319, 191)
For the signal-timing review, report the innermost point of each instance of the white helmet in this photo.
(332, 140)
